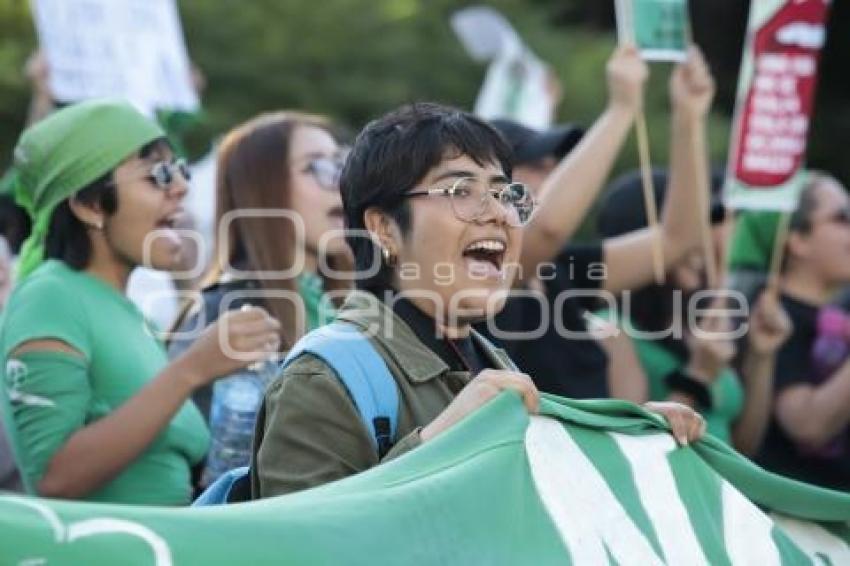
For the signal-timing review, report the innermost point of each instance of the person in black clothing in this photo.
(560, 284)
(735, 396)
(808, 435)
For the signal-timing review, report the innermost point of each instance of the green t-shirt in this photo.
(727, 393)
(64, 393)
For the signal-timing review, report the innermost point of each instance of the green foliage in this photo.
(17, 39)
(355, 59)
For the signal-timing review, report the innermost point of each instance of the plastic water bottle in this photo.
(235, 402)
(829, 352)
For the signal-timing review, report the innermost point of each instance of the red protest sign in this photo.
(778, 80)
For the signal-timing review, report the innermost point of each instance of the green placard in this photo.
(658, 27)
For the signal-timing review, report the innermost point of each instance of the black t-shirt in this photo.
(460, 354)
(829, 467)
(538, 344)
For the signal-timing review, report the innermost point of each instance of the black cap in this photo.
(623, 211)
(530, 145)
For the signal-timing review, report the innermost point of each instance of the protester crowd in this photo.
(442, 240)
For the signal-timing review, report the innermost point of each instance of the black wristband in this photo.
(679, 380)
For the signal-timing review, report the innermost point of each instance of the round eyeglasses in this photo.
(469, 199)
(326, 171)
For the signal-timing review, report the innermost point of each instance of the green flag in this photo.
(587, 482)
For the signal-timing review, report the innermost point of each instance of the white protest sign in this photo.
(131, 49)
(515, 86)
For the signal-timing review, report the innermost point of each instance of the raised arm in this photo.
(629, 257)
(769, 329)
(573, 186)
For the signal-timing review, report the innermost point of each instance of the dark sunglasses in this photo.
(161, 175)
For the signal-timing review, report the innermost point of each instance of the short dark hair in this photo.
(394, 153)
(15, 223)
(801, 218)
(67, 239)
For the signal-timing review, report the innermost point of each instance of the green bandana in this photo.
(67, 151)
(319, 308)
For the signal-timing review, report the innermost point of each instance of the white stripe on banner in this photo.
(583, 508)
(815, 541)
(746, 530)
(660, 496)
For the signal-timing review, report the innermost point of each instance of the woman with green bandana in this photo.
(287, 165)
(97, 411)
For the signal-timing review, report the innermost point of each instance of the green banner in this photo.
(588, 482)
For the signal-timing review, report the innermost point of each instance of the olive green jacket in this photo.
(309, 431)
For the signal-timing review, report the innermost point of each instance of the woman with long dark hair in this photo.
(277, 204)
(279, 242)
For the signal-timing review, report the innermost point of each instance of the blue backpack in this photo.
(364, 374)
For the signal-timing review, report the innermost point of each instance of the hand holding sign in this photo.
(658, 27)
(692, 86)
(627, 75)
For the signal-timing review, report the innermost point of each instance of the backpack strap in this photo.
(220, 491)
(362, 371)
(364, 374)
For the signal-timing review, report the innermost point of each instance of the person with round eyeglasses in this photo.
(165, 174)
(435, 225)
(469, 200)
(95, 409)
(279, 241)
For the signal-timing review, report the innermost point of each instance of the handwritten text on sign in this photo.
(775, 121)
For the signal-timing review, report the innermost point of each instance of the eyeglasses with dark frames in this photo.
(163, 174)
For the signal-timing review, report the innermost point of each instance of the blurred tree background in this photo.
(354, 59)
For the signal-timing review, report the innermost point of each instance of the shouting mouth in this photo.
(485, 258)
(169, 222)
